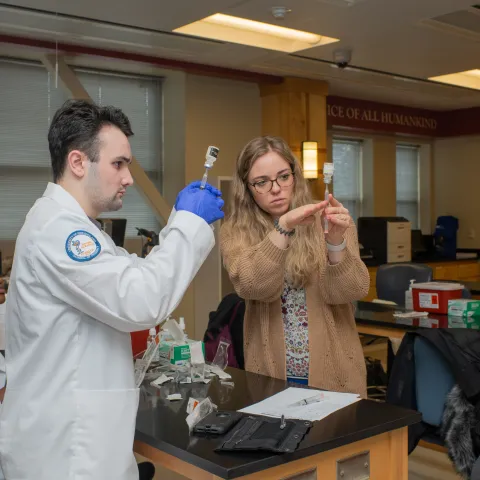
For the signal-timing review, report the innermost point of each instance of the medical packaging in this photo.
(177, 354)
(464, 307)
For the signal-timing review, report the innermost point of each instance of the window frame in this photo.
(359, 200)
(417, 201)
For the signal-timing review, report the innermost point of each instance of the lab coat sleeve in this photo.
(116, 290)
(121, 252)
(163, 232)
(161, 237)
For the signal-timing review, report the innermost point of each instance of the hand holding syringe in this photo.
(327, 178)
(211, 156)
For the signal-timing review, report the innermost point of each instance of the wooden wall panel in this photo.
(296, 110)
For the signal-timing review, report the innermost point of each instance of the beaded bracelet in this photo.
(278, 228)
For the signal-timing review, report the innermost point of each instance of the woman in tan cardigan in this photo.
(298, 281)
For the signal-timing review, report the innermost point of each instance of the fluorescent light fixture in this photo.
(253, 33)
(469, 79)
(310, 159)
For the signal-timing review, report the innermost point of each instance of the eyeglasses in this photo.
(283, 180)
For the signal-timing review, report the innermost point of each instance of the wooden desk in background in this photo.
(368, 436)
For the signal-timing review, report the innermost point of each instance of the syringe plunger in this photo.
(328, 170)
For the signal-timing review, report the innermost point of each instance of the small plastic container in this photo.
(434, 296)
(152, 337)
(409, 296)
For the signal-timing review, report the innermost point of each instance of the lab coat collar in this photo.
(61, 196)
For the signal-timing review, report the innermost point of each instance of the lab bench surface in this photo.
(366, 426)
(465, 271)
(377, 319)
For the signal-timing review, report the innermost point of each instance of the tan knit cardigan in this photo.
(336, 356)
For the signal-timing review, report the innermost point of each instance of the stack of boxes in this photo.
(465, 310)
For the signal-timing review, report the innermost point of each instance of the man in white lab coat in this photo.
(70, 407)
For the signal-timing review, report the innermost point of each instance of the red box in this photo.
(434, 296)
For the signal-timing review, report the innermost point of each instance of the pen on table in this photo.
(307, 401)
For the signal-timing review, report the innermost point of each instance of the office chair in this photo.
(433, 381)
(393, 280)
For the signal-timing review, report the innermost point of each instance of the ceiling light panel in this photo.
(468, 79)
(256, 34)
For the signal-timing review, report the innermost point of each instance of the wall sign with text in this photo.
(365, 115)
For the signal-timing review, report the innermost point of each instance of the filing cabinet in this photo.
(387, 238)
(399, 242)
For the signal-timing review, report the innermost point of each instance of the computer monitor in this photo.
(418, 244)
(115, 227)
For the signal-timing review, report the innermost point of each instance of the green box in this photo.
(472, 323)
(177, 354)
(464, 307)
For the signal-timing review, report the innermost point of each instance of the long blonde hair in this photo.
(247, 224)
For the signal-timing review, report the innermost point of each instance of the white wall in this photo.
(456, 180)
(227, 114)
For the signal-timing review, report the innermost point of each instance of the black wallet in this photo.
(265, 434)
(217, 423)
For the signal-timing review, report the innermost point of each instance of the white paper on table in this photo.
(218, 372)
(282, 404)
(161, 380)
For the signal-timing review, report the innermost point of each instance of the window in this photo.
(29, 99)
(408, 185)
(141, 100)
(347, 180)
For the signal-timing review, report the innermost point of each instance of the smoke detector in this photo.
(280, 12)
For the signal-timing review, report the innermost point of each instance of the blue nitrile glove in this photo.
(206, 203)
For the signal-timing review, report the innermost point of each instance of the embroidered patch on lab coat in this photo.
(82, 246)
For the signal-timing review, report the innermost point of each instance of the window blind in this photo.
(408, 186)
(141, 100)
(29, 99)
(347, 160)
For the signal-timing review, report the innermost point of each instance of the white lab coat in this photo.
(71, 403)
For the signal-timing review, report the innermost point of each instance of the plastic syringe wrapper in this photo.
(197, 361)
(141, 365)
(221, 356)
(204, 408)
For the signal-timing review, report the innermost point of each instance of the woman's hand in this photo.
(338, 221)
(304, 215)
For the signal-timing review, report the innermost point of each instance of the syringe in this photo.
(210, 157)
(327, 178)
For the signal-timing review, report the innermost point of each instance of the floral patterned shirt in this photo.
(295, 322)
